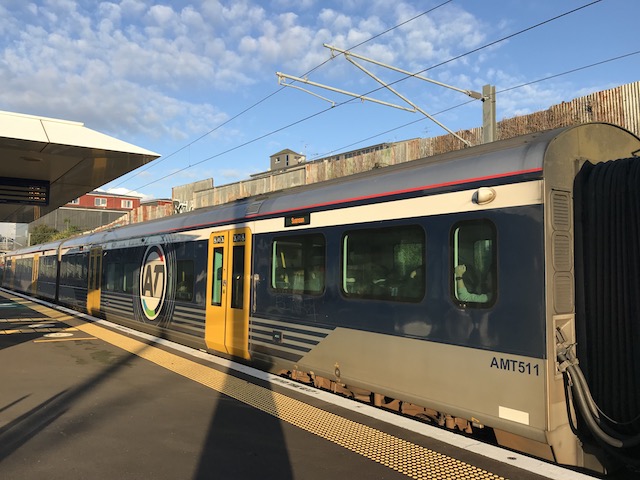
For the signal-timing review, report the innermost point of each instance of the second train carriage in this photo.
(357, 285)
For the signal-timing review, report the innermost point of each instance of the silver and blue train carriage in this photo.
(454, 287)
(33, 270)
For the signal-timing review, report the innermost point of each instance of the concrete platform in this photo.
(83, 399)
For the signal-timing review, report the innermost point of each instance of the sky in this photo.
(195, 80)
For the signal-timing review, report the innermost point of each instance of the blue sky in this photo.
(195, 80)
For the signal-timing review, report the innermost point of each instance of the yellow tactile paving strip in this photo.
(407, 458)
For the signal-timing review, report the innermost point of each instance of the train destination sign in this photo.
(297, 220)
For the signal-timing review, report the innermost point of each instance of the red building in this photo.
(105, 201)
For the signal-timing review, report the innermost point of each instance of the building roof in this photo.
(285, 151)
(98, 193)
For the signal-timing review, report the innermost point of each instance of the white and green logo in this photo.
(153, 281)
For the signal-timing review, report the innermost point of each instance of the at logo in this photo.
(153, 281)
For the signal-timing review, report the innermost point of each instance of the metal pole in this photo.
(489, 126)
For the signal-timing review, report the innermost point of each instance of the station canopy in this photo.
(46, 162)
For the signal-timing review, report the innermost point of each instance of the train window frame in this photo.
(402, 280)
(476, 296)
(308, 273)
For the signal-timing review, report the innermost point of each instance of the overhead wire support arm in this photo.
(282, 76)
(281, 81)
(471, 93)
(418, 109)
(349, 56)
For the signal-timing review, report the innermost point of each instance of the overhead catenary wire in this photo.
(272, 132)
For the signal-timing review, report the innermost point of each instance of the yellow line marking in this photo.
(24, 320)
(412, 460)
(37, 330)
(400, 455)
(49, 340)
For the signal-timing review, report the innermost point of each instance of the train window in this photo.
(127, 278)
(129, 275)
(50, 267)
(113, 277)
(237, 277)
(384, 263)
(84, 266)
(474, 264)
(298, 264)
(47, 268)
(92, 277)
(184, 289)
(216, 287)
(64, 268)
(24, 272)
(8, 273)
(74, 269)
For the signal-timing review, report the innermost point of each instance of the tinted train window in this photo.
(184, 289)
(237, 277)
(384, 264)
(127, 280)
(474, 267)
(8, 273)
(298, 263)
(47, 268)
(118, 277)
(113, 277)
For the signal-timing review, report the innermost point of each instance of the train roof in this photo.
(529, 156)
(39, 248)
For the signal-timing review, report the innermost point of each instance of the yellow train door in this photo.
(228, 286)
(34, 274)
(95, 281)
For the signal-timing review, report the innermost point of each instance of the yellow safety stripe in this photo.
(405, 457)
(412, 460)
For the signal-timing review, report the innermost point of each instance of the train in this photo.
(492, 290)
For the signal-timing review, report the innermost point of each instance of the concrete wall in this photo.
(183, 195)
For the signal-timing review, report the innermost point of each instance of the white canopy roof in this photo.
(73, 160)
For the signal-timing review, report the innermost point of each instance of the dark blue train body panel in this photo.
(514, 324)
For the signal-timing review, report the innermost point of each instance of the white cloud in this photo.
(179, 69)
(334, 20)
(214, 45)
(291, 4)
(162, 15)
